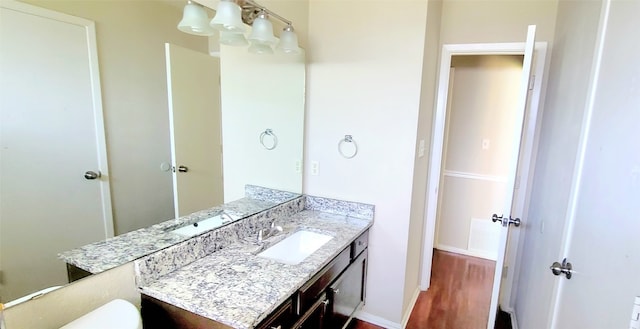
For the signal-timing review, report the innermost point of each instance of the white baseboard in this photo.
(412, 304)
(472, 253)
(378, 321)
(512, 313)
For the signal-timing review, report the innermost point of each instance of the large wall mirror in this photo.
(260, 97)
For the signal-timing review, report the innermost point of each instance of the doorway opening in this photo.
(462, 153)
(483, 91)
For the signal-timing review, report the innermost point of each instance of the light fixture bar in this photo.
(265, 9)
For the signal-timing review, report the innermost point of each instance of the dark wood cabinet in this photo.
(315, 316)
(311, 291)
(341, 287)
(347, 293)
(281, 318)
(158, 314)
(75, 273)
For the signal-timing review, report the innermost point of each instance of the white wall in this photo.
(470, 21)
(421, 164)
(64, 305)
(569, 73)
(261, 92)
(364, 78)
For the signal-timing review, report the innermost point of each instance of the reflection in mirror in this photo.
(130, 39)
(259, 87)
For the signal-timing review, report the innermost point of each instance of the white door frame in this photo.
(527, 150)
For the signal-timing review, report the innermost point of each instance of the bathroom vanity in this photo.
(234, 286)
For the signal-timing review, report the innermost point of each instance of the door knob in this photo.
(183, 168)
(92, 174)
(506, 221)
(565, 268)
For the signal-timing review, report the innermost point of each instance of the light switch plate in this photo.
(298, 166)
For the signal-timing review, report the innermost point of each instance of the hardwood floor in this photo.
(458, 298)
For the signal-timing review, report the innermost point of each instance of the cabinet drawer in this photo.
(360, 244)
(310, 292)
(281, 318)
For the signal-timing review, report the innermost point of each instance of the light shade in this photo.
(233, 39)
(260, 48)
(228, 17)
(195, 20)
(288, 41)
(262, 30)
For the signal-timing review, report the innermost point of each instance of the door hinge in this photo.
(532, 82)
(505, 271)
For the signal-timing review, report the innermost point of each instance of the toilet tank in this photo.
(117, 313)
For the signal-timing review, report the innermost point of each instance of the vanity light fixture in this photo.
(230, 19)
(195, 20)
(235, 39)
(288, 41)
(260, 48)
(261, 36)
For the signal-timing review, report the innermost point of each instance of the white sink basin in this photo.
(296, 247)
(204, 225)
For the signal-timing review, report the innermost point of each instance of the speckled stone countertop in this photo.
(235, 287)
(104, 255)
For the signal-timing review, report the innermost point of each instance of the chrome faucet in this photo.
(269, 232)
(226, 218)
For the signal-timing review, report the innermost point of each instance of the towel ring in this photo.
(348, 139)
(270, 133)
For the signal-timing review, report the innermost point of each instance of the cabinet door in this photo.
(280, 318)
(347, 293)
(314, 318)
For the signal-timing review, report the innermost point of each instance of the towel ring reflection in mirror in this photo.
(273, 136)
(348, 139)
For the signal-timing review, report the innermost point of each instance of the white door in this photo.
(193, 80)
(506, 211)
(51, 134)
(603, 239)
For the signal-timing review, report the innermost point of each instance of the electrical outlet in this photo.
(298, 166)
(315, 168)
(421, 149)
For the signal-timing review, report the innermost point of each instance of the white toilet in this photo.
(117, 313)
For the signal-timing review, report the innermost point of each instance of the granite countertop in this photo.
(112, 252)
(235, 287)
